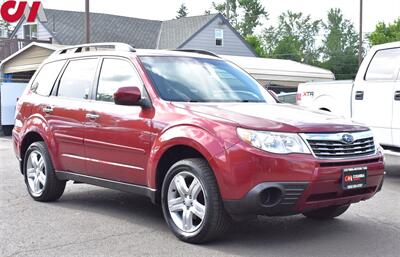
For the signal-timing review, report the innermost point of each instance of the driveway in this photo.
(91, 221)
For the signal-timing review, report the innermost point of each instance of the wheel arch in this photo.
(324, 109)
(324, 103)
(30, 138)
(169, 158)
(36, 130)
(169, 149)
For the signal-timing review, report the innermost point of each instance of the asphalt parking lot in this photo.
(91, 221)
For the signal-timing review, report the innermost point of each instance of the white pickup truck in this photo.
(373, 98)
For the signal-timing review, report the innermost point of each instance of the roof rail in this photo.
(198, 51)
(85, 47)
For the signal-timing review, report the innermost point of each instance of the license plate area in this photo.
(354, 178)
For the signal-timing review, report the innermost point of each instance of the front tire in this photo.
(40, 177)
(191, 202)
(327, 213)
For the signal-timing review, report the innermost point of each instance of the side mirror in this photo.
(128, 96)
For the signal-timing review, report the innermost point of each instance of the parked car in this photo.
(289, 98)
(192, 132)
(373, 98)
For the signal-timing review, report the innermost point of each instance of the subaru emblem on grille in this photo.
(347, 138)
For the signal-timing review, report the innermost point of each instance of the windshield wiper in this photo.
(251, 101)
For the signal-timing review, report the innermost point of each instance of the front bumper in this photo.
(268, 199)
(289, 198)
(277, 185)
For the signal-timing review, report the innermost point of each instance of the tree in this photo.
(244, 15)
(254, 12)
(340, 46)
(256, 43)
(385, 33)
(5, 28)
(182, 12)
(229, 9)
(293, 38)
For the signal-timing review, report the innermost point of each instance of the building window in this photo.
(3, 33)
(30, 31)
(219, 37)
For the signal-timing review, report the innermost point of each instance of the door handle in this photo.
(360, 95)
(397, 96)
(92, 116)
(48, 109)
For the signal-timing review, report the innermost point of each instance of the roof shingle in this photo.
(67, 28)
(175, 32)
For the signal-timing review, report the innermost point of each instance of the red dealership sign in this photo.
(12, 11)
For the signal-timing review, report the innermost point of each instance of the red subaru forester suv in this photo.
(192, 132)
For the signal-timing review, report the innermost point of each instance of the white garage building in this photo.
(16, 71)
(283, 75)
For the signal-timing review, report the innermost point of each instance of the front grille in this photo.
(347, 163)
(333, 146)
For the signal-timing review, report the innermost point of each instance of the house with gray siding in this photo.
(207, 32)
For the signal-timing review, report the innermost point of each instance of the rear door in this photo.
(41, 100)
(65, 113)
(373, 95)
(117, 140)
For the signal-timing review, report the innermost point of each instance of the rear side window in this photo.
(46, 78)
(384, 65)
(78, 78)
(116, 73)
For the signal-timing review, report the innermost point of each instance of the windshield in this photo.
(188, 79)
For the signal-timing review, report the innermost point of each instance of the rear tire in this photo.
(327, 213)
(40, 177)
(191, 202)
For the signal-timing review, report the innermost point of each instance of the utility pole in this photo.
(228, 7)
(87, 21)
(360, 43)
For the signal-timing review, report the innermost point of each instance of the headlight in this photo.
(274, 142)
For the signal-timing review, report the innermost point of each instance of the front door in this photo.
(372, 102)
(117, 139)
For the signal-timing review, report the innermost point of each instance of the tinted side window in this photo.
(46, 78)
(78, 78)
(115, 74)
(384, 65)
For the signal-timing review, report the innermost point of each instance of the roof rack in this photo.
(96, 47)
(198, 51)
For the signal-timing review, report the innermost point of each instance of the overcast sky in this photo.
(374, 10)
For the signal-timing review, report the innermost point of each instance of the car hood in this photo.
(274, 117)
